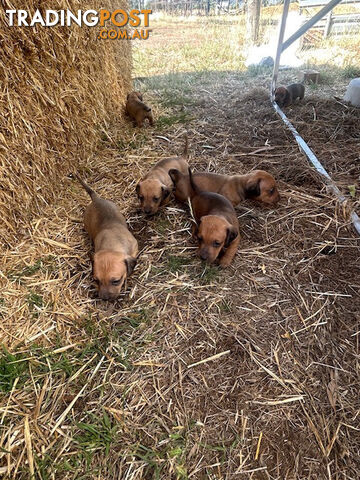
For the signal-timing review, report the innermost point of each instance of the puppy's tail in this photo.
(89, 190)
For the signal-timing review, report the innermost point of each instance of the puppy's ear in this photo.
(165, 192)
(231, 234)
(195, 229)
(174, 175)
(139, 95)
(130, 264)
(138, 189)
(127, 96)
(252, 188)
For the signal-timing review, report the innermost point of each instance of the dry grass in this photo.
(195, 372)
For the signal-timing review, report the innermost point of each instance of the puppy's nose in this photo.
(147, 210)
(104, 295)
(204, 255)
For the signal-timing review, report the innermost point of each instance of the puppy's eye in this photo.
(156, 199)
(200, 239)
(216, 244)
(116, 282)
(141, 197)
(97, 281)
(272, 191)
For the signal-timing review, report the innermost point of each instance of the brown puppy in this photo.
(137, 110)
(217, 228)
(115, 247)
(257, 185)
(156, 186)
(286, 96)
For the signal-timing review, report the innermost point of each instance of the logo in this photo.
(110, 22)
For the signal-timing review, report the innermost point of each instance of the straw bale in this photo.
(60, 87)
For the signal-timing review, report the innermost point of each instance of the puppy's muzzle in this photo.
(148, 211)
(204, 254)
(105, 295)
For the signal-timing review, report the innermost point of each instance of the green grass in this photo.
(162, 225)
(174, 450)
(176, 264)
(100, 434)
(172, 119)
(209, 274)
(11, 368)
(42, 361)
(35, 302)
(351, 71)
(152, 459)
(45, 264)
(143, 315)
(177, 452)
(62, 365)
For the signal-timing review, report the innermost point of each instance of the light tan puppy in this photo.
(154, 189)
(137, 109)
(257, 185)
(217, 228)
(115, 247)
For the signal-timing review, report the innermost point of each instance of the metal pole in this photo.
(279, 49)
(304, 28)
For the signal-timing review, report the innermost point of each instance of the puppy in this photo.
(286, 96)
(257, 185)
(115, 247)
(156, 186)
(137, 110)
(217, 229)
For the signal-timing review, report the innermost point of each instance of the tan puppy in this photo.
(286, 96)
(257, 185)
(156, 186)
(137, 110)
(217, 228)
(115, 247)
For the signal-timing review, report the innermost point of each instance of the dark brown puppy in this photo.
(137, 110)
(155, 188)
(217, 229)
(257, 185)
(115, 247)
(286, 96)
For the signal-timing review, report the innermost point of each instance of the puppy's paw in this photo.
(225, 262)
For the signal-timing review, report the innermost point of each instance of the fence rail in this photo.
(341, 23)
